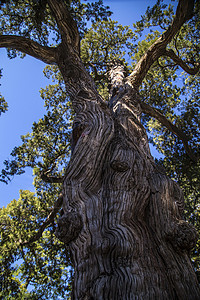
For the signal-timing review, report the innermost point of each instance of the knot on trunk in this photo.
(69, 227)
(119, 166)
(182, 236)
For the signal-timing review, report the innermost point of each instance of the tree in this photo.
(122, 216)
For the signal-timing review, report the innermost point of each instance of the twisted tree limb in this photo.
(192, 71)
(183, 13)
(67, 26)
(153, 112)
(27, 46)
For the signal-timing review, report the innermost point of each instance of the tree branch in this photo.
(48, 220)
(51, 179)
(166, 66)
(67, 26)
(192, 71)
(32, 48)
(97, 76)
(183, 13)
(153, 112)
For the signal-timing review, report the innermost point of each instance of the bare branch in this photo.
(48, 220)
(32, 48)
(65, 22)
(153, 112)
(183, 13)
(192, 71)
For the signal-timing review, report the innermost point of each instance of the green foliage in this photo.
(3, 103)
(47, 147)
(32, 19)
(159, 15)
(39, 270)
(103, 43)
(34, 271)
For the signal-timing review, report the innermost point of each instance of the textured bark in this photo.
(27, 46)
(123, 218)
(67, 26)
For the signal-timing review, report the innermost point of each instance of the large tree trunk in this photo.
(123, 217)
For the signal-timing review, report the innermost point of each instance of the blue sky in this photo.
(20, 85)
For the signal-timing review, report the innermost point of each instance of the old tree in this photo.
(122, 217)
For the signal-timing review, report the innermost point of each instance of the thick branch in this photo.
(25, 45)
(48, 220)
(183, 13)
(65, 22)
(192, 71)
(51, 179)
(164, 121)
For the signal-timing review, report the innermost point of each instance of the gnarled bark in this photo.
(123, 218)
(128, 239)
